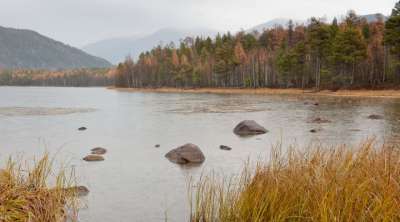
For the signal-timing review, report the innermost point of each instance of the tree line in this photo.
(351, 53)
(74, 77)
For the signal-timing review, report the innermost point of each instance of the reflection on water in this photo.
(40, 111)
(136, 182)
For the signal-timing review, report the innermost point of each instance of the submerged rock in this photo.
(249, 127)
(92, 157)
(98, 151)
(315, 130)
(188, 153)
(320, 120)
(82, 128)
(79, 190)
(223, 147)
(375, 116)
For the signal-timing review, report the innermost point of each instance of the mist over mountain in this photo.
(374, 17)
(115, 50)
(31, 50)
(285, 21)
(273, 23)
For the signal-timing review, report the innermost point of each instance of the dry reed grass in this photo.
(25, 195)
(341, 183)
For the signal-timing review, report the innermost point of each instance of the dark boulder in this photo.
(157, 146)
(91, 158)
(249, 127)
(188, 153)
(98, 151)
(82, 128)
(223, 147)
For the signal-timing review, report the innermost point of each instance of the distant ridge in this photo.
(115, 50)
(374, 17)
(273, 23)
(30, 50)
(285, 21)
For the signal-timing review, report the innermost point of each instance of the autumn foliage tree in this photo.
(349, 53)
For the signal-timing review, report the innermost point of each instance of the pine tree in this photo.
(392, 35)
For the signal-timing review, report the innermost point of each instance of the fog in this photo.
(79, 22)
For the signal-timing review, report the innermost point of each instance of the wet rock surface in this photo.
(249, 127)
(93, 158)
(188, 153)
(98, 151)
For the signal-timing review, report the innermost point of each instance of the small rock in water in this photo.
(92, 157)
(314, 130)
(79, 190)
(223, 147)
(98, 151)
(157, 146)
(355, 130)
(375, 116)
(82, 128)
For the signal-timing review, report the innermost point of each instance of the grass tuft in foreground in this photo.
(25, 195)
(322, 184)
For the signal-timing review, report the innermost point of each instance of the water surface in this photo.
(136, 182)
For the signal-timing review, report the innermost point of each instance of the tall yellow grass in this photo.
(341, 183)
(25, 195)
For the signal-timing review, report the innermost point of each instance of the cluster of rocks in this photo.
(96, 154)
(191, 154)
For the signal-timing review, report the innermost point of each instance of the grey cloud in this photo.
(79, 22)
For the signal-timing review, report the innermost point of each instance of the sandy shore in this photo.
(269, 91)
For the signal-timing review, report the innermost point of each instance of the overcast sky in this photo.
(78, 22)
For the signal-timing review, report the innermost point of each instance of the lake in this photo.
(136, 182)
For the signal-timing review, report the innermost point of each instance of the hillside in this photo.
(115, 50)
(29, 49)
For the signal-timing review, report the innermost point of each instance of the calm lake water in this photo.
(136, 182)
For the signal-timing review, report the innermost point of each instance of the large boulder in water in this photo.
(188, 153)
(249, 127)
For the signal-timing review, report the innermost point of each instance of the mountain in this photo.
(115, 50)
(274, 22)
(284, 22)
(31, 50)
(374, 17)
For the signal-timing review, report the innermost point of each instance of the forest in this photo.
(74, 77)
(343, 53)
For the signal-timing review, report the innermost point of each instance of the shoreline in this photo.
(393, 94)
